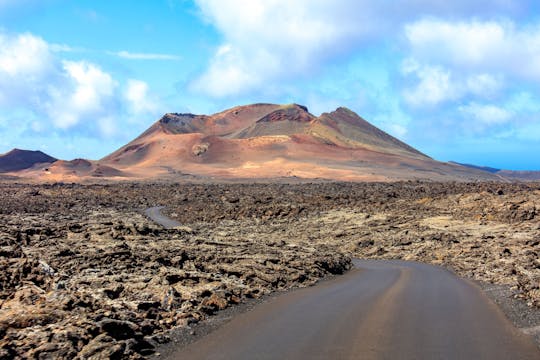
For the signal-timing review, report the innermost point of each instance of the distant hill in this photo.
(483, 168)
(509, 174)
(17, 159)
(520, 175)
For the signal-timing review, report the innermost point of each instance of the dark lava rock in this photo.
(118, 329)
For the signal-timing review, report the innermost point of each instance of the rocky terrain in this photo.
(485, 231)
(84, 274)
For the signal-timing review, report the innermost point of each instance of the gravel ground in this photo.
(524, 317)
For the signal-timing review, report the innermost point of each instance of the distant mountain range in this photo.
(509, 174)
(259, 141)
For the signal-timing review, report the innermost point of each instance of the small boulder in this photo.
(118, 329)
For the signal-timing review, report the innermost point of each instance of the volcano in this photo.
(18, 159)
(266, 142)
(269, 141)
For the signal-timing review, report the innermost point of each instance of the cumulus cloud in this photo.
(435, 84)
(470, 70)
(87, 92)
(107, 126)
(24, 55)
(461, 42)
(487, 46)
(25, 66)
(484, 84)
(64, 94)
(486, 114)
(267, 41)
(139, 99)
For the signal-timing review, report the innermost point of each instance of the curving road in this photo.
(378, 310)
(154, 213)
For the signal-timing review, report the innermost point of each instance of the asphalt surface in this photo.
(154, 213)
(379, 310)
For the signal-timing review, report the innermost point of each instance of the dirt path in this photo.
(154, 213)
(380, 310)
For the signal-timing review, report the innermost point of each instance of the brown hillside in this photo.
(261, 141)
(277, 141)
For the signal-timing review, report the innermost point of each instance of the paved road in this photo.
(379, 310)
(154, 213)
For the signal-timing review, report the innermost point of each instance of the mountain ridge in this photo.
(525, 175)
(263, 141)
(278, 141)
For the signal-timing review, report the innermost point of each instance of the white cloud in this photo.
(484, 84)
(485, 46)
(63, 94)
(27, 68)
(87, 93)
(145, 56)
(24, 55)
(269, 41)
(435, 84)
(92, 84)
(37, 126)
(231, 72)
(524, 102)
(475, 62)
(272, 39)
(64, 48)
(461, 43)
(486, 114)
(139, 99)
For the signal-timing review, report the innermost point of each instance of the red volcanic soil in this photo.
(74, 171)
(265, 141)
(295, 113)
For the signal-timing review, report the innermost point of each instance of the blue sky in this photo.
(458, 80)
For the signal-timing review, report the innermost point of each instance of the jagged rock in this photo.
(215, 302)
(118, 329)
(101, 348)
(85, 273)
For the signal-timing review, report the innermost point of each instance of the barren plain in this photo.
(85, 275)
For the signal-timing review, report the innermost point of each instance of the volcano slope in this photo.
(16, 160)
(275, 142)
